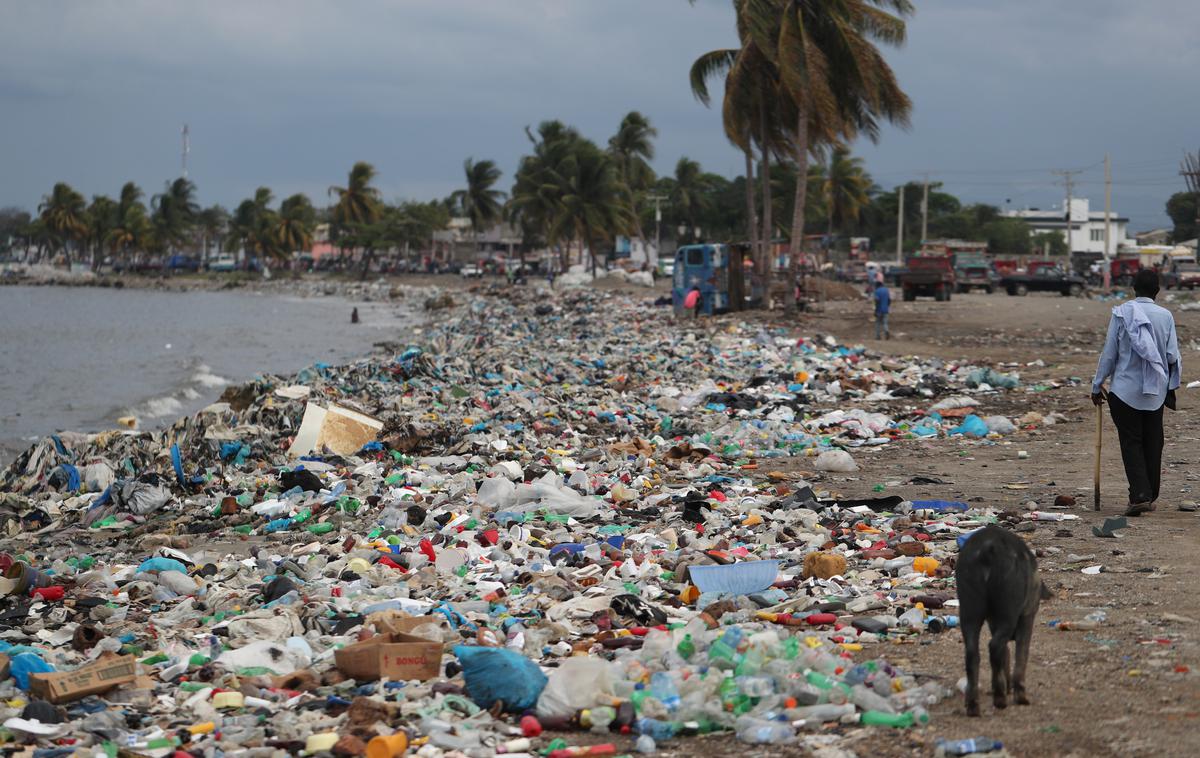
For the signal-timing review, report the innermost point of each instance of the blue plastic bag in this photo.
(743, 578)
(971, 426)
(940, 506)
(24, 664)
(162, 564)
(499, 675)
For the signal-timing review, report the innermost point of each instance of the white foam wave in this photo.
(206, 378)
(162, 406)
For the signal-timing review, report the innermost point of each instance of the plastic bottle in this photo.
(869, 700)
(821, 713)
(662, 687)
(966, 747)
(656, 729)
(645, 744)
(686, 648)
(763, 732)
(898, 720)
(756, 686)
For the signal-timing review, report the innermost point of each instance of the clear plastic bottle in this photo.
(763, 732)
(756, 686)
(869, 700)
(817, 714)
(967, 747)
(658, 730)
(662, 688)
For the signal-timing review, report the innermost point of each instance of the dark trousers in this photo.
(1141, 434)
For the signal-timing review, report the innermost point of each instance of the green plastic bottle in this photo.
(686, 648)
(897, 720)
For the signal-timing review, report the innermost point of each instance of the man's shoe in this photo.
(1137, 509)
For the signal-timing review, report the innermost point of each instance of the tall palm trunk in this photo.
(768, 223)
(759, 281)
(368, 254)
(801, 158)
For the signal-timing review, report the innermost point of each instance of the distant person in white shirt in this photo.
(1141, 356)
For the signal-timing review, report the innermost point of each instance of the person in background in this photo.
(883, 306)
(1141, 357)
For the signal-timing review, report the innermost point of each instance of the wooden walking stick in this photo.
(1096, 471)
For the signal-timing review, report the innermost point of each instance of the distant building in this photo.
(460, 242)
(1153, 237)
(1087, 226)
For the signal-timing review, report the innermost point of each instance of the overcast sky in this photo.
(289, 93)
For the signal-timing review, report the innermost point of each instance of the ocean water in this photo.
(79, 358)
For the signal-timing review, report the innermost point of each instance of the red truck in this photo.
(928, 276)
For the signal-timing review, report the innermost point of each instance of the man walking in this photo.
(883, 304)
(1141, 356)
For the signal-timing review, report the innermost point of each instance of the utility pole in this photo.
(187, 148)
(1068, 180)
(1107, 223)
(657, 221)
(925, 211)
(900, 229)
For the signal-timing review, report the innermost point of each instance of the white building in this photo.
(1087, 226)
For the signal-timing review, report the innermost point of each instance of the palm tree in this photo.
(689, 192)
(480, 202)
(829, 65)
(253, 227)
(63, 214)
(592, 199)
(212, 222)
(132, 227)
(295, 224)
(174, 213)
(632, 147)
(535, 195)
(357, 205)
(846, 188)
(102, 219)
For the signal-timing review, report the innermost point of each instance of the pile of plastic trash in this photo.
(544, 528)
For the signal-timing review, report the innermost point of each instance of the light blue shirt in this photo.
(1121, 362)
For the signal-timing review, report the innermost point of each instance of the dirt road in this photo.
(1132, 686)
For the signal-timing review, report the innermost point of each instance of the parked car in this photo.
(183, 263)
(976, 277)
(223, 262)
(471, 271)
(1044, 279)
(1188, 275)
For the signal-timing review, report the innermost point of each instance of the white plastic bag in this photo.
(497, 492)
(999, 425)
(578, 683)
(835, 460)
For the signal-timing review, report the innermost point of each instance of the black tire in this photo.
(1075, 290)
(909, 296)
(939, 295)
(1021, 290)
(990, 290)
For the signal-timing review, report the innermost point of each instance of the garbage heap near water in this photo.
(554, 523)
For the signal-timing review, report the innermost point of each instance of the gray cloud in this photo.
(289, 94)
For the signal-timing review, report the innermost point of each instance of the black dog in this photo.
(998, 582)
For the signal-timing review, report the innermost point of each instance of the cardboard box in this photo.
(92, 679)
(398, 656)
(337, 429)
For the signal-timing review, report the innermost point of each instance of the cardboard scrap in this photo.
(397, 656)
(92, 679)
(340, 430)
